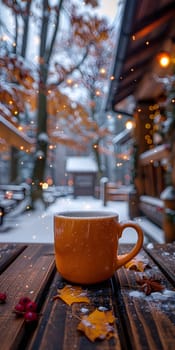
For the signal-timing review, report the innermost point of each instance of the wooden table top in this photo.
(142, 322)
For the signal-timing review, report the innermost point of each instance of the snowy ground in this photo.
(37, 226)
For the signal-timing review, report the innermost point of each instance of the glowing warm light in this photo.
(21, 148)
(154, 107)
(4, 38)
(103, 71)
(164, 59)
(8, 195)
(151, 116)
(97, 93)
(125, 157)
(69, 81)
(129, 124)
(50, 181)
(70, 183)
(45, 186)
(112, 77)
(51, 147)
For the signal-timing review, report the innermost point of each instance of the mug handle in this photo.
(124, 258)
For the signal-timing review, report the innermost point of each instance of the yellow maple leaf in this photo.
(99, 324)
(137, 264)
(72, 294)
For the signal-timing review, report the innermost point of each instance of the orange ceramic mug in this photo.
(86, 244)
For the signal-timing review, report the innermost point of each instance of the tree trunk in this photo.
(41, 150)
(42, 142)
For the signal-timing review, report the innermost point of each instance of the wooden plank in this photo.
(154, 154)
(27, 276)
(160, 179)
(142, 322)
(153, 208)
(153, 232)
(164, 256)
(8, 253)
(57, 328)
(149, 180)
(14, 137)
(152, 201)
(148, 321)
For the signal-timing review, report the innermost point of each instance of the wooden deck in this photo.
(142, 322)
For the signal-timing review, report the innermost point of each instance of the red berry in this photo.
(30, 316)
(31, 306)
(24, 301)
(3, 297)
(19, 308)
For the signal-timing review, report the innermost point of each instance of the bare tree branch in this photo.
(72, 68)
(26, 29)
(44, 28)
(50, 50)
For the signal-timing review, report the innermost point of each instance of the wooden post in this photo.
(168, 196)
(103, 190)
(133, 204)
(143, 138)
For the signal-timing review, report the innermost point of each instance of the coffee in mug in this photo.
(86, 245)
